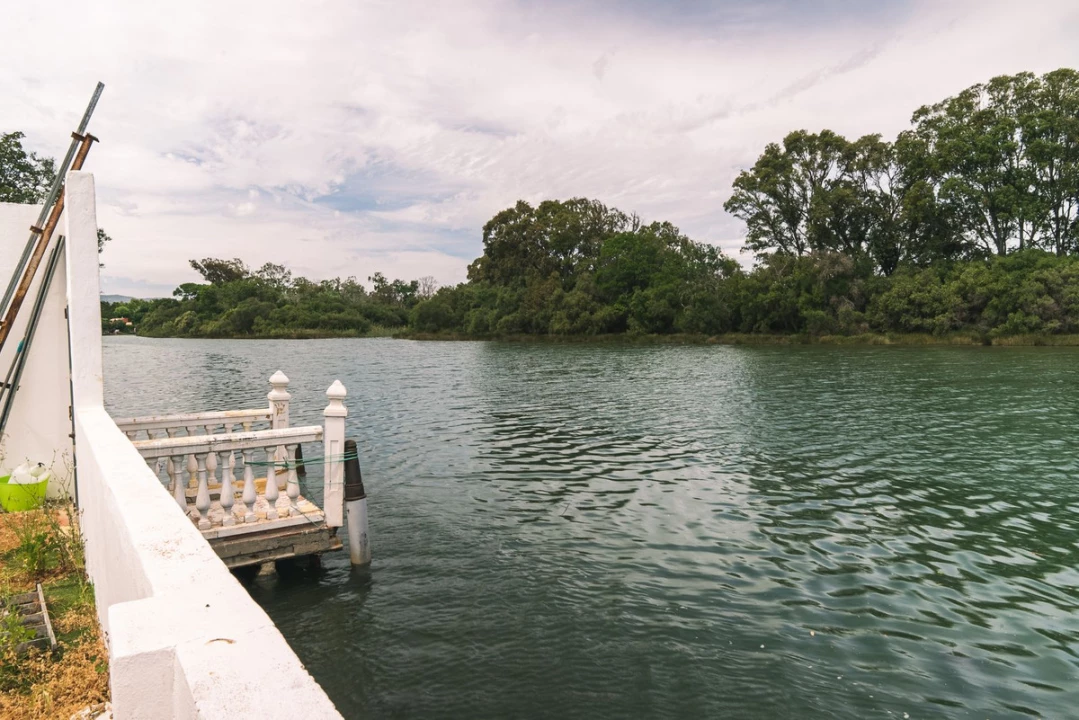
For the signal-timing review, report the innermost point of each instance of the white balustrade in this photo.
(200, 455)
(215, 498)
(144, 428)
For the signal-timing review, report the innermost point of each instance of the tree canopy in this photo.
(990, 170)
(25, 177)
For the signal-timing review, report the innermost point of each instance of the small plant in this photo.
(42, 546)
(39, 548)
(13, 632)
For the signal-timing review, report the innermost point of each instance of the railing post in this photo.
(279, 398)
(333, 439)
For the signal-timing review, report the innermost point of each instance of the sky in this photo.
(344, 137)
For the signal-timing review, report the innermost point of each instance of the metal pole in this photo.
(24, 347)
(54, 192)
(44, 235)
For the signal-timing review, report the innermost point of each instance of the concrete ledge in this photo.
(178, 623)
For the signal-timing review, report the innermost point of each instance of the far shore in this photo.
(897, 339)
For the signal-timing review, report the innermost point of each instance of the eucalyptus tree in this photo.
(1051, 134)
(783, 194)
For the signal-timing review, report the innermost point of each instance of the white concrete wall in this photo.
(39, 427)
(185, 639)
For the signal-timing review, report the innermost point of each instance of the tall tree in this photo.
(979, 160)
(25, 177)
(1051, 133)
(790, 199)
(560, 237)
(220, 272)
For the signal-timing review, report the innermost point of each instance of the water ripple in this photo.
(572, 531)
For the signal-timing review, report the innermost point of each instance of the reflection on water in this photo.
(596, 531)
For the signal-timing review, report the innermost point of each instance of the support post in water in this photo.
(359, 546)
(333, 439)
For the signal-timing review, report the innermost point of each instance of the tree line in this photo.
(967, 221)
(236, 301)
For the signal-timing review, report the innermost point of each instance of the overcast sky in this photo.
(344, 137)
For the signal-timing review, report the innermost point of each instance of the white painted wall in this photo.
(185, 639)
(39, 428)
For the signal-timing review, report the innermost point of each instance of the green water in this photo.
(678, 532)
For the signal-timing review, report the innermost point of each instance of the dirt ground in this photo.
(43, 546)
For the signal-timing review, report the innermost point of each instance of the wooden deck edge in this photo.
(275, 544)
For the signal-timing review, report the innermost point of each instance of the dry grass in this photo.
(59, 683)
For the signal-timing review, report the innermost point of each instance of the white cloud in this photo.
(344, 138)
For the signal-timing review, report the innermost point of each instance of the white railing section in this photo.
(153, 427)
(209, 453)
(206, 459)
(274, 416)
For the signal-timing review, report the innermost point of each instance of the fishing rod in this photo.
(41, 232)
(18, 363)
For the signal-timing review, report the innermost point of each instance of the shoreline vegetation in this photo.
(757, 339)
(963, 230)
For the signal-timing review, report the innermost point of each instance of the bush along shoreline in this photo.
(963, 229)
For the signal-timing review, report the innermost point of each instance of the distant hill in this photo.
(115, 298)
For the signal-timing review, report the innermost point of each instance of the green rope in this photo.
(291, 463)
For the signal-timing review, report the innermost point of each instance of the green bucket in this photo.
(15, 498)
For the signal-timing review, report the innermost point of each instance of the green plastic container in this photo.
(15, 498)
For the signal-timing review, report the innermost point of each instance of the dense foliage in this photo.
(25, 177)
(990, 170)
(968, 221)
(651, 279)
(236, 302)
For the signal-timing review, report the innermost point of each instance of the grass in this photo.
(43, 546)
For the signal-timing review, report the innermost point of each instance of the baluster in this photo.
(130, 435)
(152, 464)
(228, 497)
(271, 485)
(232, 453)
(202, 500)
(168, 461)
(293, 483)
(249, 496)
(246, 425)
(211, 461)
(192, 465)
(176, 472)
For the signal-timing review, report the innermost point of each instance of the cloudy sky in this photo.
(342, 137)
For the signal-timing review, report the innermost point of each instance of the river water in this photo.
(597, 531)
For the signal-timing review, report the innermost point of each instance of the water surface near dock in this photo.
(618, 531)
